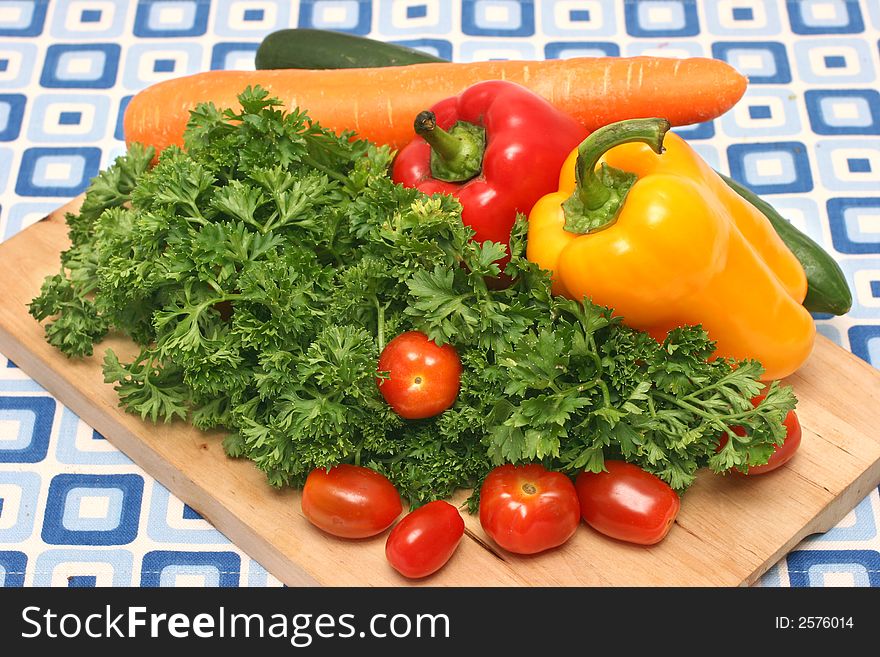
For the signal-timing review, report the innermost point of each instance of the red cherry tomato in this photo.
(627, 503)
(425, 539)
(350, 501)
(424, 378)
(781, 453)
(528, 509)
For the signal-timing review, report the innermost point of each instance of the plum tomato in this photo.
(422, 543)
(423, 378)
(350, 501)
(781, 453)
(527, 509)
(627, 503)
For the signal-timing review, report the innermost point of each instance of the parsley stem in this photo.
(681, 403)
(727, 418)
(312, 162)
(380, 323)
(197, 217)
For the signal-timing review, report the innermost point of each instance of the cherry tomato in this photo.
(627, 503)
(781, 453)
(425, 539)
(350, 501)
(527, 508)
(424, 378)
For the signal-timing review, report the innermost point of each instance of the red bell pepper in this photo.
(497, 147)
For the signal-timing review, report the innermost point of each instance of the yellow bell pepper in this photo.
(643, 225)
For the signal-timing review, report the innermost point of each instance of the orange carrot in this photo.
(381, 103)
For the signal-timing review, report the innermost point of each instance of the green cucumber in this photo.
(323, 49)
(827, 290)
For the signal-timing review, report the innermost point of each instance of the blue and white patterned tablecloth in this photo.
(76, 512)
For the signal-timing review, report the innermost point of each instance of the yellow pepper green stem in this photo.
(599, 192)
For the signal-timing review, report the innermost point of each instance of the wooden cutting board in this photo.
(730, 529)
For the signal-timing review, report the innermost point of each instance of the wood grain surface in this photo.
(730, 529)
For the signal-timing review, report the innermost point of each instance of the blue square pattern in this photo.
(661, 18)
(510, 18)
(77, 567)
(764, 112)
(847, 567)
(20, 492)
(82, 581)
(825, 16)
(246, 18)
(579, 20)
(773, 168)
(696, 131)
(171, 521)
(73, 20)
(565, 49)
(760, 112)
(23, 19)
(81, 66)
(171, 18)
(57, 171)
(858, 165)
(233, 56)
(875, 289)
(416, 11)
(93, 509)
(843, 61)
(419, 19)
(69, 118)
(25, 427)
(12, 568)
(1, 507)
(208, 569)
(77, 443)
(743, 13)
(351, 16)
(859, 526)
(855, 224)
(496, 50)
(11, 113)
(764, 62)
(864, 340)
(849, 165)
(163, 66)
(119, 131)
(18, 61)
(90, 16)
(150, 62)
(843, 111)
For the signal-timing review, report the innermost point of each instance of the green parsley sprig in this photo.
(263, 267)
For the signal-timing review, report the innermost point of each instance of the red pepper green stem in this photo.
(599, 194)
(457, 154)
